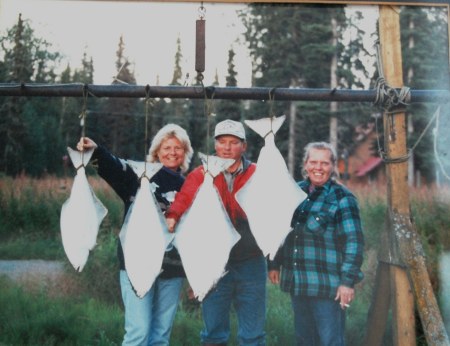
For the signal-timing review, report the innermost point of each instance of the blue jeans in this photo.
(318, 321)
(244, 286)
(148, 320)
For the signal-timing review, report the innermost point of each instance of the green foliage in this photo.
(229, 109)
(31, 246)
(28, 212)
(279, 317)
(36, 319)
(177, 73)
(425, 66)
(100, 276)
(26, 59)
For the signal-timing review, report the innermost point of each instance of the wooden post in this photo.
(405, 245)
(397, 174)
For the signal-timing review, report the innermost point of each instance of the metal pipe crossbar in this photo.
(199, 92)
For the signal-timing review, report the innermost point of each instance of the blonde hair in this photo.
(321, 146)
(171, 131)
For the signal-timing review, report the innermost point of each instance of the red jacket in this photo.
(246, 247)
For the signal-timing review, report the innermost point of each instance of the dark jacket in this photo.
(121, 177)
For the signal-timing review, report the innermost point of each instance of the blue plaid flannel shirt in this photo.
(325, 248)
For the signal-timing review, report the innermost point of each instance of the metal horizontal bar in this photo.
(198, 92)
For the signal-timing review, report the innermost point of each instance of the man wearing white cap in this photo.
(244, 284)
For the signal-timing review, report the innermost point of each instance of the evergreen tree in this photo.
(424, 41)
(24, 123)
(176, 107)
(230, 109)
(71, 108)
(121, 122)
(291, 46)
(177, 73)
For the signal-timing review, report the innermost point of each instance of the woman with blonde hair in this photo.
(149, 320)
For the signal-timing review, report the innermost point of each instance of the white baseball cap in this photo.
(230, 127)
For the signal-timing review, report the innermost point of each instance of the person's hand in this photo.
(86, 143)
(345, 296)
(274, 276)
(171, 224)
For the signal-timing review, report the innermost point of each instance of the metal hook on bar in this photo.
(201, 11)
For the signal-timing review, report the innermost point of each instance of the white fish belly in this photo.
(204, 238)
(81, 216)
(269, 200)
(144, 239)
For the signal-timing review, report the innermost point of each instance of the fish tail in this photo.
(79, 158)
(214, 164)
(265, 126)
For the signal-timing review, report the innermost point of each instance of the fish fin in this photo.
(214, 164)
(147, 168)
(264, 126)
(79, 158)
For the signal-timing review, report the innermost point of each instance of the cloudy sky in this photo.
(150, 32)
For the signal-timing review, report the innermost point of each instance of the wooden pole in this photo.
(404, 241)
(397, 174)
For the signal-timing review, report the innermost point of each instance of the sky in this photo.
(150, 31)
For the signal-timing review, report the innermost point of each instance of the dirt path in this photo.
(19, 270)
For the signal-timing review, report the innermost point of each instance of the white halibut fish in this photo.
(144, 235)
(205, 234)
(81, 214)
(271, 195)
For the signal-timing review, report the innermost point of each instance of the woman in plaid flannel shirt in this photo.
(322, 256)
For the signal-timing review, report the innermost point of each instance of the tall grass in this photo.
(30, 212)
(90, 313)
(35, 319)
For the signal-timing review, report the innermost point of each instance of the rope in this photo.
(390, 98)
(392, 102)
(83, 113)
(271, 113)
(409, 151)
(83, 116)
(208, 112)
(147, 102)
(387, 97)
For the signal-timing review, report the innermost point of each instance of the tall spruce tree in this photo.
(177, 106)
(424, 41)
(230, 109)
(121, 121)
(71, 108)
(25, 124)
(291, 46)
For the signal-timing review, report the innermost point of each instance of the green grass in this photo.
(35, 319)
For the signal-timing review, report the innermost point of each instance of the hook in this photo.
(85, 92)
(82, 116)
(201, 11)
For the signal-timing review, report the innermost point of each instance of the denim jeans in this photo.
(318, 321)
(148, 320)
(244, 286)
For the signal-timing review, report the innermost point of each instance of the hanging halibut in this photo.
(205, 234)
(81, 214)
(271, 195)
(144, 235)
